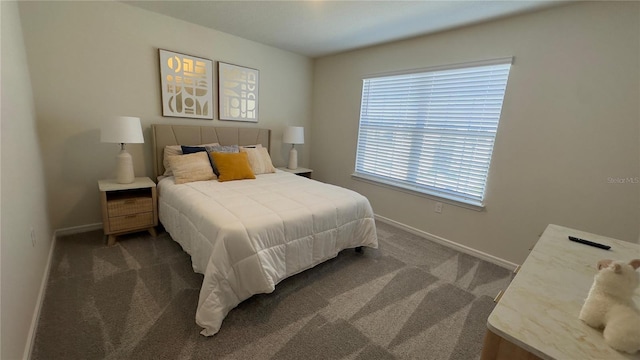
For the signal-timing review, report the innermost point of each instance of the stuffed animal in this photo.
(610, 304)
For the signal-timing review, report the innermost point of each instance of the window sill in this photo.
(389, 185)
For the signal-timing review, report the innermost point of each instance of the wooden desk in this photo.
(537, 317)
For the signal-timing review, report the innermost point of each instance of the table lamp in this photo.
(123, 130)
(293, 135)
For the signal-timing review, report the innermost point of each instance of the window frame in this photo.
(439, 195)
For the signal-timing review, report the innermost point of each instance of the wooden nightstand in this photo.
(128, 208)
(298, 171)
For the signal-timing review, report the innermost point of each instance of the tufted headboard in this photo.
(163, 135)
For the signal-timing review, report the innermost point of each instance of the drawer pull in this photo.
(498, 297)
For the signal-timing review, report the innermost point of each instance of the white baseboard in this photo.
(36, 313)
(448, 243)
(77, 229)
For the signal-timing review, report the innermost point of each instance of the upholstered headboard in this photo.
(163, 135)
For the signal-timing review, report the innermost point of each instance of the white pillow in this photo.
(173, 150)
(259, 160)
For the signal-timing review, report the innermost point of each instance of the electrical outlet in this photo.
(33, 237)
(438, 208)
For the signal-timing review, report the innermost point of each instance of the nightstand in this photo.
(128, 208)
(298, 171)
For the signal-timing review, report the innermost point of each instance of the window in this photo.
(433, 130)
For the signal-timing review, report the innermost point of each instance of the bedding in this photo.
(246, 236)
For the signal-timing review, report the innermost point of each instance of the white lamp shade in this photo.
(122, 130)
(293, 135)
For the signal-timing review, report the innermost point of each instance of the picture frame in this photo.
(186, 85)
(238, 92)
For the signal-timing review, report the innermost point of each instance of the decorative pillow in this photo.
(172, 150)
(195, 149)
(191, 167)
(259, 160)
(169, 151)
(232, 166)
(251, 146)
(192, 149)
(221, 149)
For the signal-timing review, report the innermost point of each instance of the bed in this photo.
(246, 236)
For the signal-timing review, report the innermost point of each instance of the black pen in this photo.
(590, 243)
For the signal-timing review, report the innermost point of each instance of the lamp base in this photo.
(293, 158)
(124, 171)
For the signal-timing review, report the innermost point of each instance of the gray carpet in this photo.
(409, 299)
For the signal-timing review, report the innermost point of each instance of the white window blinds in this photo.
(432, 131)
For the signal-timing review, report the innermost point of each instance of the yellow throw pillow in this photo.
(259, 160)
(191, 167)
(232, 166)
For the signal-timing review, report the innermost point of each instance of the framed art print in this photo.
(187, 85)
(238, 93)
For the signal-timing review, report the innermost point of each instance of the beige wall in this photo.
(570, 121)
(90, 60)
(23, 193)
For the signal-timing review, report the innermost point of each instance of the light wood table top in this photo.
(539, 310)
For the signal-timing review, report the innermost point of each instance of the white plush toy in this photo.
(610, 304)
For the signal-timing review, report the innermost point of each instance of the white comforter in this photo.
(246, 236)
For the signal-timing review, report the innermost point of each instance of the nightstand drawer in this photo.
(129, 206)
(135, 221)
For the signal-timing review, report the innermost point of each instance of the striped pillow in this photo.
(173, 150)
(191, 167)
(259, 160)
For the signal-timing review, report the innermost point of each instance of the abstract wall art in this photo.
(187, 85)
(238, 93)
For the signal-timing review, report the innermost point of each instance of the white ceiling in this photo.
(318, 28)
